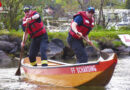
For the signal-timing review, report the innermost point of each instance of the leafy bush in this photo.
(117, 43)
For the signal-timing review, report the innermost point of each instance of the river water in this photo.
(119, 81)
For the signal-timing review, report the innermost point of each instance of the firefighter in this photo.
(33, 25)
(81, 25)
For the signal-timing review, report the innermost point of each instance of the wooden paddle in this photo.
(103, 54)
(18, 72)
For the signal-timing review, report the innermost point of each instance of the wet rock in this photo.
(121, 48)
(124, 50)
(127, 49)
(108, 50)
(4, 59)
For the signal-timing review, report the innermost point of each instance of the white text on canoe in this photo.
(83, 69)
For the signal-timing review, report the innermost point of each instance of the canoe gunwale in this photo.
(61, 66)
(66, 64)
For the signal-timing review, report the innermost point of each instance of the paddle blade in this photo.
(18, 72)
(104, 55)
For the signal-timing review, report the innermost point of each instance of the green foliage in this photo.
(114, 3)
(125, 28)
(95, 43)
(108, 34)
(60, 35)
(4, 32)
(68, 5)
(127, 4)
(58, 1)
(116, 43)
(95, 35)
(11, 20)
(13, 33)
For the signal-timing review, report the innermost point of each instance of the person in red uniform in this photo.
(33, 25)
(81, 25)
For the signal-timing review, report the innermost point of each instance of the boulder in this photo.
(91, 51)
(5, 60)
(68, 53)
(4, 38)
(6, 46)
(58, 42)
(55, 49)
(108, 50)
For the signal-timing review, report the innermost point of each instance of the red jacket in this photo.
(0, 4)
(34, 28)
(87, 25)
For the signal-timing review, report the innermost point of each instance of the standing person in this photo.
(33, 25)
(81, 25)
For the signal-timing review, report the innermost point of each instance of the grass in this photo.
(13, 33)
(102, 35)
(108, 34)
(59, 35)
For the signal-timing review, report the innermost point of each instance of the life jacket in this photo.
(0, 4)
(85, 28)
(34, 28)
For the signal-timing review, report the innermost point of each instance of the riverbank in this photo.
(58, 47)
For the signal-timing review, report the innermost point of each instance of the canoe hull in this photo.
(76, 75)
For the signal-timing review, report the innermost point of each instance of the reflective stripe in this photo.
(33, 63)
(44, 62)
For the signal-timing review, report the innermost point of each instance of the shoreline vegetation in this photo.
(98, 35)
(102, 39)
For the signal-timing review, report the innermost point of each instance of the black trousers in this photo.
(77, 46)
(38, 43)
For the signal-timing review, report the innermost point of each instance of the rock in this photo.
(58, 42)
(68, 53)
(124, 50)
(127, 49)
(4, 59)
(108, 50)
(15, 40)
(6, 46)
(91, 51)
(4, 38)
(121, 48)
(55, 49)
